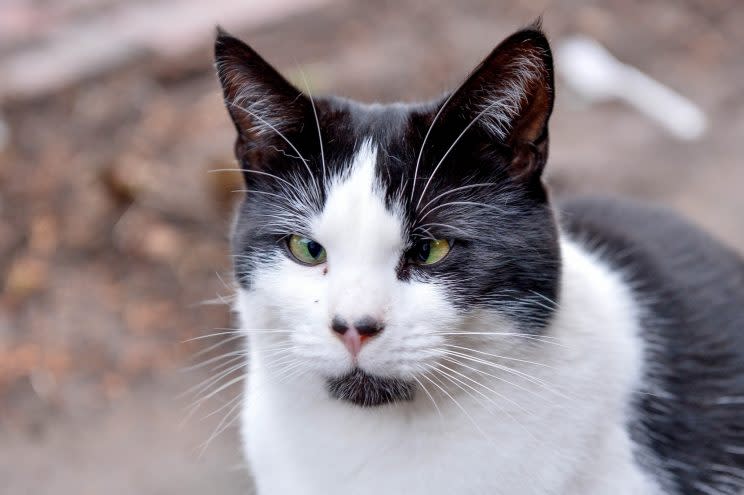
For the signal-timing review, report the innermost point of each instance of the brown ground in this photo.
(112, 231)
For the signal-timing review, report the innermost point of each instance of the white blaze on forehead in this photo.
(363, 239)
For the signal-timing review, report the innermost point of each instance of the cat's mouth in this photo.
(366, 390)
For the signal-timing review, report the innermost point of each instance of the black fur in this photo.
(690, 414)
(366, 390)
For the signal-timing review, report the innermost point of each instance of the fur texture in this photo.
(689, 411)
(537, 356)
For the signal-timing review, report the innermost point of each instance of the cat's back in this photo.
(688, 417)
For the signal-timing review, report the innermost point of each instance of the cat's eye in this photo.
(305, 250)
(429, 251)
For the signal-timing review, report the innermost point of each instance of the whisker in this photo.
(507, 369)
(200, 400)
(207, 383)
(211, 360)
(221, 299)
(441, 160)
(222, 281)
(230, 383)
(208, 336)
(287, 368)
(260, 172)
(467, 415)
(317, 124)
(501, 379)
(545, 339)
(431, 398)
(432, 224)
(498, 394)
(459, 203)
(423, 143)
(222, 407)
(455, 381)
(279, 133)
(456, 189)
(459, 406)
(222, 426)
(251, 331)
(554, 304)
(222, 342)
(265, 193)
(498, 356)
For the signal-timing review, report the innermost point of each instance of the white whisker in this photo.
(279, 133)
(260, 172)
(498, 356)
(545, 339)
(222, 426)
(507, 369)
(444, 225)
(441, 160)
(500, 378)
(426, 391)
(465, 412)
(211, 360)
(459, 203)
(498, 394)
(456, 189)
(317, 124)
(426, 137)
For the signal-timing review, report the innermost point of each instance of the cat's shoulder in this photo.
(679, 273)
(648, 240)
(689, 412)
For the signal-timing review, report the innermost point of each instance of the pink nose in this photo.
(353, 336)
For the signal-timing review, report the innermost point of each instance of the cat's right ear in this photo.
(508, 100)
(266, 109)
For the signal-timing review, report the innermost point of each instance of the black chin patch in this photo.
(365, 390)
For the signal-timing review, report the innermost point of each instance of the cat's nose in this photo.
(355, 334)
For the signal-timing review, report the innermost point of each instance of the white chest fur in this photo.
(563, 433)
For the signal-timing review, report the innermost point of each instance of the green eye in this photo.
(306, 250)
(428, 252)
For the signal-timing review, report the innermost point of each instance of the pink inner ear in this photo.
(535, 110)
(518, 102)
(527, 160)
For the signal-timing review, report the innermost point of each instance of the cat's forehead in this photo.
(380, 121)
(376, 141)
(356, 217)
(392, 129)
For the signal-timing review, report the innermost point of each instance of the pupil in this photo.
(314, 249)
(424, 250)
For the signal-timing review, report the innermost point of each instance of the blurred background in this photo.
(113, 231)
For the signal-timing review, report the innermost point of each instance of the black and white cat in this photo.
(421, 318)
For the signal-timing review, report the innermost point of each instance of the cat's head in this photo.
(377, 242)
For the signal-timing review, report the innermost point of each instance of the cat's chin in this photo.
(366, 390)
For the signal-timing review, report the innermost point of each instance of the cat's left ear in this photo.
(509, 99)
(266, 109)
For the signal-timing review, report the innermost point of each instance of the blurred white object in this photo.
(592, 71)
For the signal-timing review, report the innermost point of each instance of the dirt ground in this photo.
(113, 232)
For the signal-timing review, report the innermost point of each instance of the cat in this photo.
(422, 317)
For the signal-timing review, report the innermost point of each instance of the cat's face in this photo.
(376, 242)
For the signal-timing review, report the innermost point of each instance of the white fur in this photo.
(554, 425)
